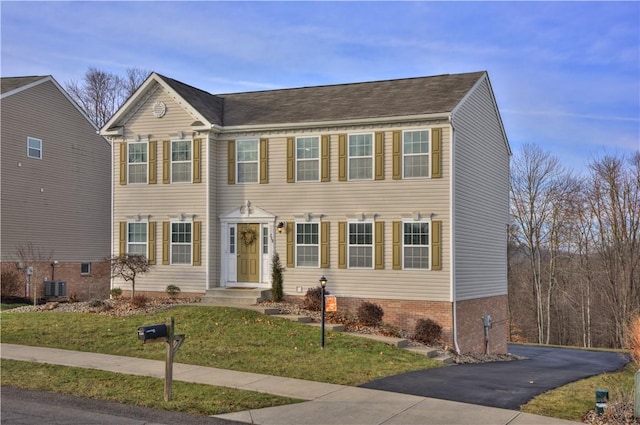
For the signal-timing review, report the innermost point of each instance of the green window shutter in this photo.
(197, 245)
(123, 238)
(166, 162)
(291, 159)
(152, 242)
(342, 157)
(324, 167)
(197, 163)
(379, 158)
(166, 234)
(153, 158)
(324, 244)
(231, 162)
(436, 153)
(436, 245)
(291, 257)
(123, 163)
(397, 245)
(342, 244)
(264, 161)
(379, 246)
(397, 155)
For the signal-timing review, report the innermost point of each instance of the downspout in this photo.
(451, 244)
(207, 209)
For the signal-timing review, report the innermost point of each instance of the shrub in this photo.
(173, 291)
(633, 336)
(96, 303)
(428, 331)
(139, 301)
(115, 292)
(370, 314)
(277, 280)
(11, 285)
(313, 299)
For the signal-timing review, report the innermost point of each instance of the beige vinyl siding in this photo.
(60, 203)
(481, 191)
(383, 201)
(164, 202)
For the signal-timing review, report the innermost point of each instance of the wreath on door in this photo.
(248, 236)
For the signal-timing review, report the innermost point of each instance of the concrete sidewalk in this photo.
(328, 403)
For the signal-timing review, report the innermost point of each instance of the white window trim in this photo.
(318, 158)
(428, 154)
(146, 242)
(295, 238)
(429, 246)
(29, 139)
(89, 265)
(372, 245)
(257, 161)
(171, 161)
(372, 156)
(171, 243)
(129, 163)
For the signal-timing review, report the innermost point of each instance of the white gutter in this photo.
(339, 123)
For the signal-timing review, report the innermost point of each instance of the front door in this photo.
(248, 252)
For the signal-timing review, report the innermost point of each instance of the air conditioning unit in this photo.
(55, 288)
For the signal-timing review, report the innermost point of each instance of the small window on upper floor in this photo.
(360, 156)
(307, 159)
(247, 157)
(415, 149)
(137, 162)
(85, 269)
(181, 161)
(34, 148)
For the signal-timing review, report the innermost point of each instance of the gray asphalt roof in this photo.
(377, 99)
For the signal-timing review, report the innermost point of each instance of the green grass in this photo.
(4, 306)
(226, 338)
(573, 401)
(140, 391)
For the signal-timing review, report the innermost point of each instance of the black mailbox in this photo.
(146, 333)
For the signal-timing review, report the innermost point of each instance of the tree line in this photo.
(574, 250)
(573, 245)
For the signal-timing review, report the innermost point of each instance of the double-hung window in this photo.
(248, 161)
(34, 148)
(181, 238)
(360, 245)
(137, 162)
(360, 156)
(181, 163)
(307, 244)
(416, 245)
(308, 159)
(137, 238)
(415, 149)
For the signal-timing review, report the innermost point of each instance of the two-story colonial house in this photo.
(397, 191)
(56, 201)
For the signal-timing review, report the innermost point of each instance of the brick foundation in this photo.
(471, 327)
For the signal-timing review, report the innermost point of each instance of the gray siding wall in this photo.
(60, 203)
(481, 198)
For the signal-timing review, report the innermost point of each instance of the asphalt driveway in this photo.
(505, 384)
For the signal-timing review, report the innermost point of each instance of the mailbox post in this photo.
(164, 333)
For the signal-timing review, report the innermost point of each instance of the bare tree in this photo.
(614, 195)
(101, 93)
(538, 185)
(128, 267)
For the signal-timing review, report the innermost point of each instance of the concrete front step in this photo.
(235, 296)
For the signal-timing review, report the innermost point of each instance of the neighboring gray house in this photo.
(55, 214)
(397, 191)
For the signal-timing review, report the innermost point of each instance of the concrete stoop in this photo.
(235, 297)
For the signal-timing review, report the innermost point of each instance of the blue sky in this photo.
(566, 74)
